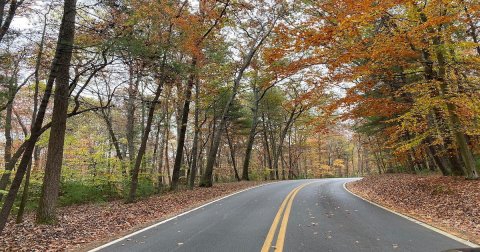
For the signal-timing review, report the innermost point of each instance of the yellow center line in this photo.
(288, 201)
(273, 228)
(283, 227)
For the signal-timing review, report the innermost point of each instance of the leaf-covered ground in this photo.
(85, 226)
(449, 203)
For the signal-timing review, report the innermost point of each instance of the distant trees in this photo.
(408, 70)
(157, 94)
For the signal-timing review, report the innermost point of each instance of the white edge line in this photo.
(451, 236)
(172, 218)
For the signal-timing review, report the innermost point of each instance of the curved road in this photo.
(301, 215)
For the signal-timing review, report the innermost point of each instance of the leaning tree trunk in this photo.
(207, 179)
(115, 142)
(51, 179)
(5, 25)
(143, 145)
(276, 156)
(248, 151)
(183, 128)
(62, 57)
(232, 154)
(26, 185)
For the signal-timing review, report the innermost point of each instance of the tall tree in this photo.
(51, 179)
(266, 29)
(61, 61)
(188, 90)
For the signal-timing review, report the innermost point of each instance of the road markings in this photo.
(451, 236)
(273, 228)
(282, 214)
(127, 237)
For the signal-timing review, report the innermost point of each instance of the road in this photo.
(301, 215)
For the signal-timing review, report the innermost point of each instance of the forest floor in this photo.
(86, 226)
(451, 204)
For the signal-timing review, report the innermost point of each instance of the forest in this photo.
(103, 100)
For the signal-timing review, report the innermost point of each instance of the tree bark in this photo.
(232, 154)
(8, 134)
(193, 168)
(183, 128)
(23, 201)
(130, 126)
(62, 57)
(250, 142)
(51, 179)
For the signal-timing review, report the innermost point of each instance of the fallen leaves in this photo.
(448, 203)
(81, 225)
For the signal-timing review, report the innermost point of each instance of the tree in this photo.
(264, 32)
(188, 91)
(6, 17)
(60, 66)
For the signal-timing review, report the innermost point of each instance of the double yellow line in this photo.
(284, 210)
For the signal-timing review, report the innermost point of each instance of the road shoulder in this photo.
(416, 218)
(84, 227)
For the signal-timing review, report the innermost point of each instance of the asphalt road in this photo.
(302, 215)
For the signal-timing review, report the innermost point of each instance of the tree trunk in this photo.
(156, 145)
(250, 142)
(115, 142)
(253, 129)
(465, 151)
(143, 146)
(23, 201)
(183, 128)
(130, 126)
(473, 27)
(292, 117)
(61, 60)
(193, 168)
(232, 154)
(207, 179)
(8, 134)
(5, 25)
(266, 145)
(437, 161)
(51, 179)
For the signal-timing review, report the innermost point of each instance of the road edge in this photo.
(421, 223)
(174, 217)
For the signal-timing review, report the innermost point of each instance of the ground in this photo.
(448, 203)
(84, 226)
